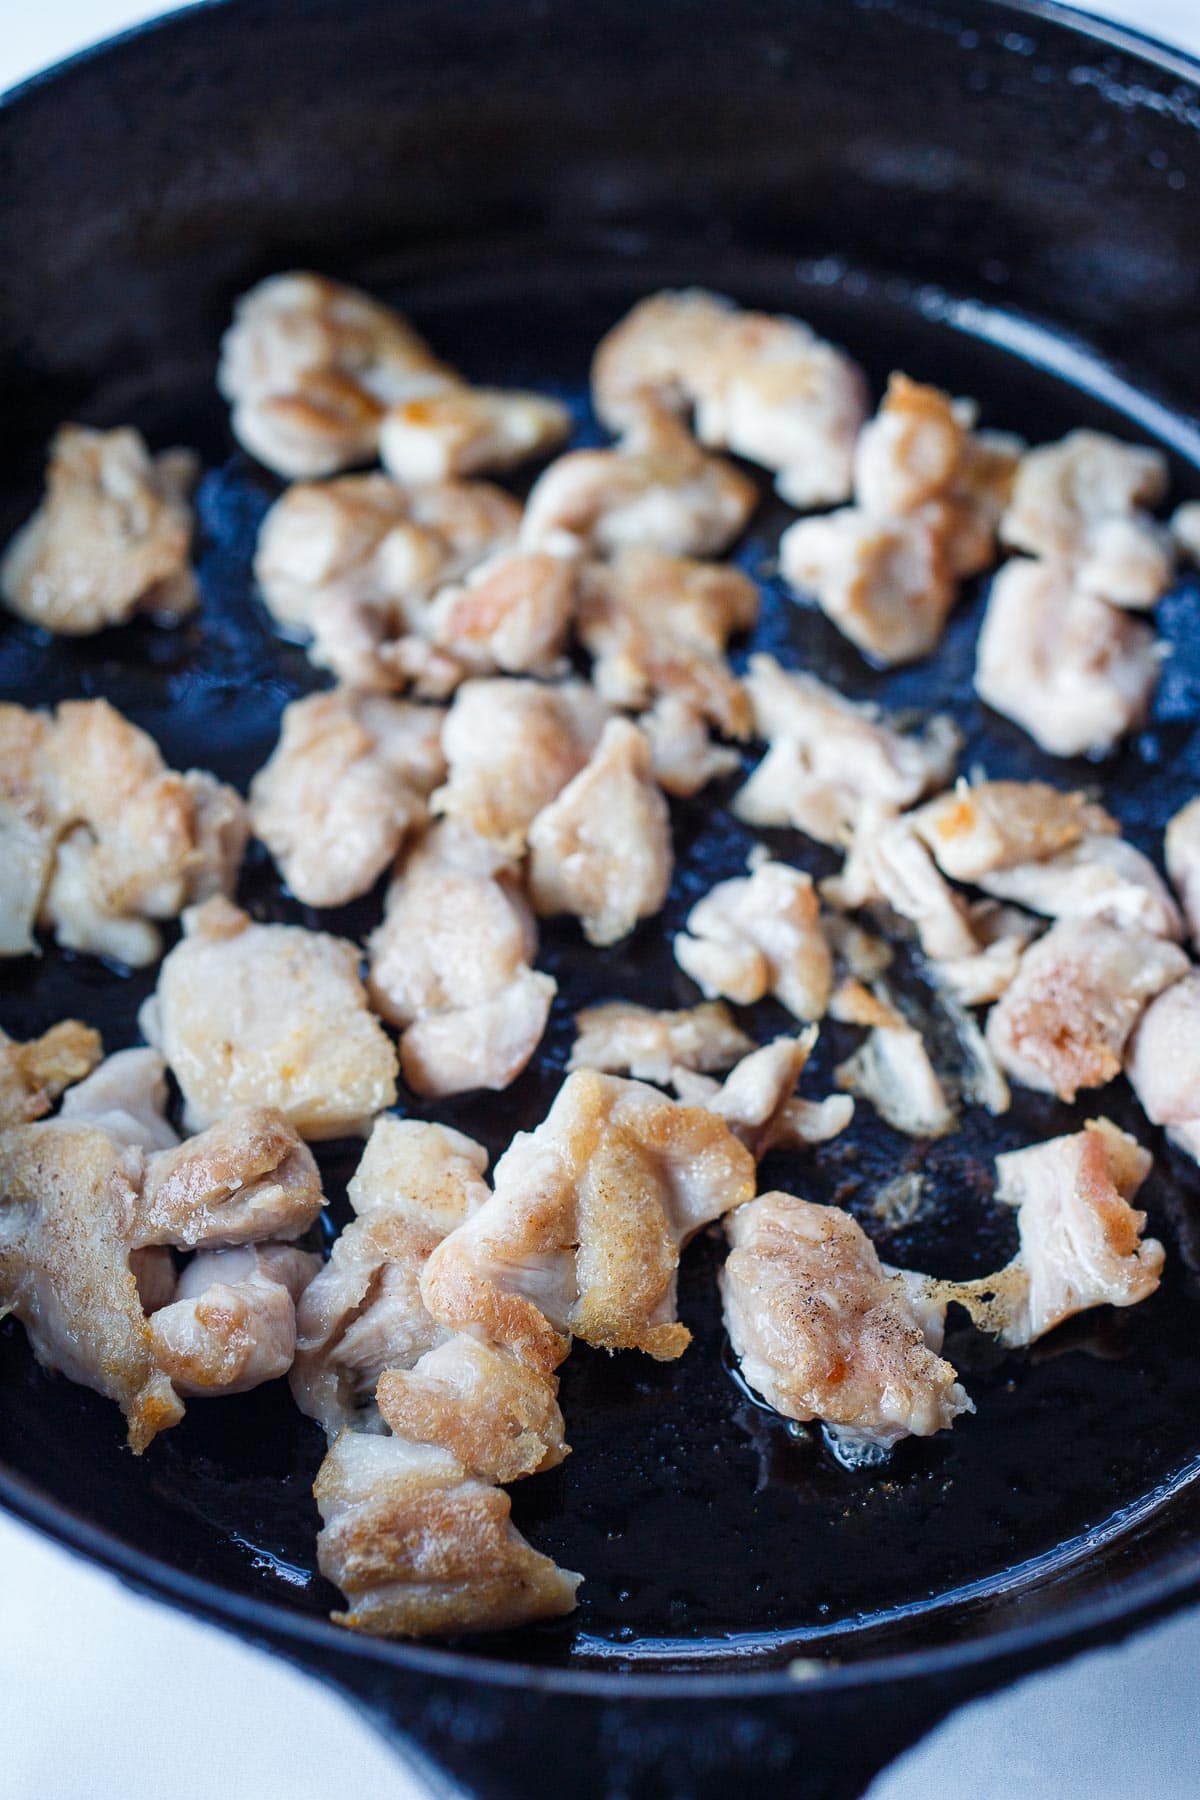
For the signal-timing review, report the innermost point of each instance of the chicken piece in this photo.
(512, 613)
(1081, 501)
(887, 584)
(1073, 672)
(419, 1547)
(126, 1097)
(828, 757)
(622, 1038)
(29, 825)
(983, 826)
(1098, 878)
(1162, 1062)
(364, 1313)
(498, 1417)
(657, 490)
(68, 1195)
(1185, 529)
(760, 934)
(765, 387)
(345, 785)
(511, 747)
(1001, 934)
(110, 539)
(888, 862)
(602, 850)
(232, 1323)
(683, 755)
(758, 1101)
(269, 1015)
(583, 1231)
(450, 965)
(892, 1069)
(309, 367)
(822, 1330)
(469, 431)
(1080, 990)
(248, 1177)
(660, 625)
(1181, 847)
(34, 1074)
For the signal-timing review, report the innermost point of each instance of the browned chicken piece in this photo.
(1162, 1062)
(823, 1330)
(110, 539)
(269, 1015)
(1181, 847)
(660, 625)
(984, 826)
(309, 367)
(892, 1069)
(1072, 671)
(583, 1231)
(887, 584)
(758, 1100)
(623, 1038)
(231, 1324)
(450, 965)
(760, 934)
(1185, 529)
(247, 1178)
(35, 1073)
(602, 849)
(499, 1417)
(684, 757)
(1064, 1022)
(354, 564)
(657, 490)
(765, 387)
(68, 1196)
(421, 1548)
(364, 1313)
(511, 614)
(346, 784)
(829, 757)
(511, 747)
(1082, 502)
(469, 431)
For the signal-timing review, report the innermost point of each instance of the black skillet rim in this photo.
(1137, 1602)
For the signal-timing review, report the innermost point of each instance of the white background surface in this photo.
(105, 1696)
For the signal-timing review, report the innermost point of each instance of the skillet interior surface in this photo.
(704, 1526)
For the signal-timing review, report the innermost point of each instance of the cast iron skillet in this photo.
(1000, 198)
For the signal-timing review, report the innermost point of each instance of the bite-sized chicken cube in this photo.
(892, 1069)
(623, 1038)
(450, 965)
(1162, 1062)
(1098, 878)
(126, 1097)
(888, 862)
(660, 625)
(583, 1231)
(767, 388)
(887, 584)
(511, 746)
(683, 755)
(110, 539)
(345, 785)
(499, 1417)
(983, 826)
(248, 1177)
(828, 757)
(364, 1313)
(1072, 671)
(35, 1073)
(822, 1330)
(758, 1098)
(469, 431)
(232, 1322)
(309, 367)
(760, 934)
(269, 1015)
(602, 848)
(658, 490)
(511, 614)
(1081, 501)
(1181, 847)
(1064, 1022)
(420, 1548)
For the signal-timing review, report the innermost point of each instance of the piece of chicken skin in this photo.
(583, 1231)
(269, 1015)
(469, 431)
(231, 1324)
(1181, 849)
(1162, 1061)
(33, 1074)
(364, 1313)
(760, 934)
(622, 1038)
(110, 539)
(344, 787)
(499, 1417)
(247, 1178)
(601, 850)
(758, 1100)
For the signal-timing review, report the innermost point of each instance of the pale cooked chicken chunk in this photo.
(893, 1070)
(888, 862)
(623, 1038)
(602, 848)
(110, 539)
(1185, 529)
(760, 934)
(1162, 1062)
(231, 1324)
(469, 431)
(887, 584)
(269, 1015)
(583, 1231)
(1181, 847)
(499, 1417)
(126, 1097)
(248, 1177)
(1064, 1022)
(309, 366)
(29, 825)
(345, 785)
(1072, 671)
(35, 1073)
(684, 756)
(1098, 878)
(822, 1330)
(1082, 501)
(758, 1100)
(983, 826)
(511, 614)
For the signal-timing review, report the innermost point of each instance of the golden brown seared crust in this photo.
(499, 1417)
(34, 1074)
(249, 1176)
(983, 826)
